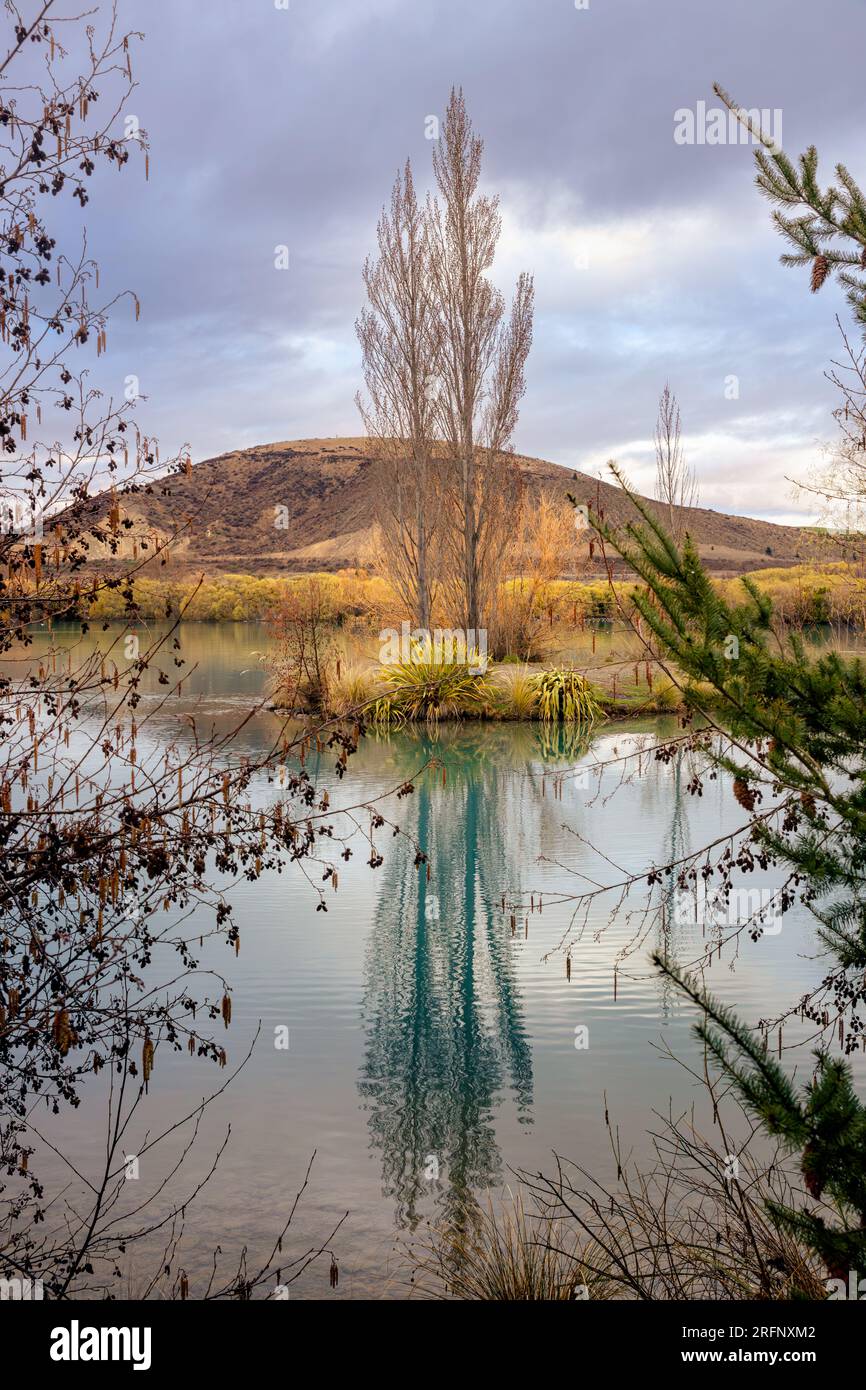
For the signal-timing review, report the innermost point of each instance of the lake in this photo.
(435, 1046)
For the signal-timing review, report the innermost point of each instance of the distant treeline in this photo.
(803, 595)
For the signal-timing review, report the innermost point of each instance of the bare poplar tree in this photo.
(676, 484)
(480, 364)
(398, 331)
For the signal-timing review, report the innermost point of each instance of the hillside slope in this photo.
(322, 492)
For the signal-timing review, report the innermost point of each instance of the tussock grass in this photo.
(430, 690)
(504, 1253)
(353, 690)
(696, 1222)
(517, 694)
(691, 1225)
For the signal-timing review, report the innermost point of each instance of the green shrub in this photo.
(565, 696)
(419, 689)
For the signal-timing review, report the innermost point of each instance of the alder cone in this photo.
(62, 1032)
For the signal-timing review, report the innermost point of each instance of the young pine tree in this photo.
(798, 725)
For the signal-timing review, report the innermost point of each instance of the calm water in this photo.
(424, 1034)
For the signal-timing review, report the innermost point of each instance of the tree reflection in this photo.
(446, 1041)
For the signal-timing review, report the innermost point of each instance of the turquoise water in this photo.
(432, 1040)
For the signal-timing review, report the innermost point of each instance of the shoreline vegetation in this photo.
(325, 627)
(831, 592)
(390, 697)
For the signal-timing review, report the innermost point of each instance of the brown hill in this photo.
(309, 504)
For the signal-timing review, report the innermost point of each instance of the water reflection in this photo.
(445, 1036)
(677, 846)
(458, 1035)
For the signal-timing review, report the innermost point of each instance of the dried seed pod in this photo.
(61, 1031)
(744, 794)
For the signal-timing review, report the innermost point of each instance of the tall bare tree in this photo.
(676, 484)
(399, 332)
(480, 362)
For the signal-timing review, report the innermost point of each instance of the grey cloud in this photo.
(273, 127)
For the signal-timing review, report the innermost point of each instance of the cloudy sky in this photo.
(653, 260)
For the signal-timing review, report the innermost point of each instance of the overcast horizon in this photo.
(653, 261)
